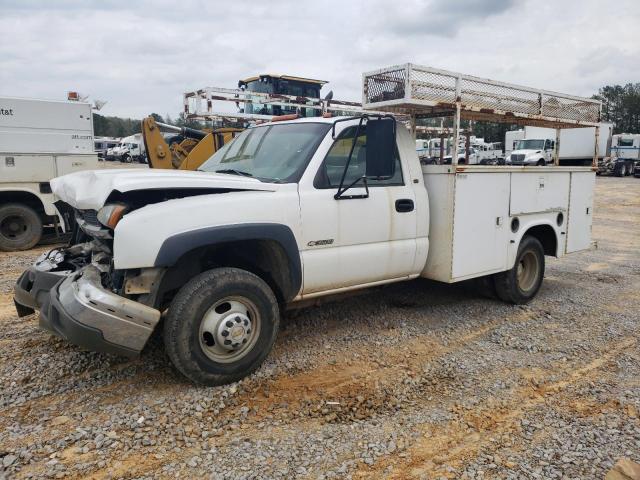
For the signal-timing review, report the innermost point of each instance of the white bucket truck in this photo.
(296, 209)
(39, 140)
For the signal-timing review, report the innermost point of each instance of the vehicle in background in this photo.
(488, 153)
(577, 146)
(625, 156)
(422, 149)
(511, 139)
(182, 148)
(280, 85)
(130, 149)
(473, 157)
(39, 140)
(102, 144)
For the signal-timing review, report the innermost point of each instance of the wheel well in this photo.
(265, 258)
(546, 235)
(25, 198)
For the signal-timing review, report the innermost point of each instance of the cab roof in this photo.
(285, 77)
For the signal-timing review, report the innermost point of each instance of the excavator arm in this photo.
(196, 146)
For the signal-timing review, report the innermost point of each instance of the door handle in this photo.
(404, 205)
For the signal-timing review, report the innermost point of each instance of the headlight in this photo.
(111, 214)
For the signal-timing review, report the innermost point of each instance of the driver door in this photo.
(359, 241)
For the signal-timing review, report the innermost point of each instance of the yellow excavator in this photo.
(189, 149)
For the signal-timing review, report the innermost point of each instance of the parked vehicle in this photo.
(511, 139)
(39, 140)
(577, 146)
(130, 149)
(102, 144)
(292, 211)
(625, 155)
(488, 153)
(223, 248)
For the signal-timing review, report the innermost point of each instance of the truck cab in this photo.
(533, 151)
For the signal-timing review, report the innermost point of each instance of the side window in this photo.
(332, 168)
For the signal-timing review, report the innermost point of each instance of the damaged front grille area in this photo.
(87, 221)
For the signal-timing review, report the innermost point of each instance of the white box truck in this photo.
(39, 140)
(129, 149)
(290, 211)
(577, 145)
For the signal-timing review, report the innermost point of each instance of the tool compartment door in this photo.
(480, 230)
(580, 211)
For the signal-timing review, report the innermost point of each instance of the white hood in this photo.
(91, 188)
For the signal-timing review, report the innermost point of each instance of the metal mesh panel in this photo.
(387, 85)
(568, 108)
(429, 90)
(485, 95)
(432, 86)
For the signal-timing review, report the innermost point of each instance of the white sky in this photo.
(141, 56)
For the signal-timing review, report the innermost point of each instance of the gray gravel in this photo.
(416, 380)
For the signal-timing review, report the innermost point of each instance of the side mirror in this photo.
(381, 144)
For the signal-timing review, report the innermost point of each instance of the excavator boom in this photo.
(195, 148)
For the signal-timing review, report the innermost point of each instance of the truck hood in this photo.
(88, 190)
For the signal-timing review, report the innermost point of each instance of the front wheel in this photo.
(521, 283)
(221, 326)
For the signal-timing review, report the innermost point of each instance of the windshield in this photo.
(273, 153)
(530, 145)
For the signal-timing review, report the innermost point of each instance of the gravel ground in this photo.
(415, 380)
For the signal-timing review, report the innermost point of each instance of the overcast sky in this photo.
(140, 56)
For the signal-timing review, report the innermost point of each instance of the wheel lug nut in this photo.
(225, 333)
(238, 319)
(227, 342)
(229, 323)
(246, 322)
(244, 340)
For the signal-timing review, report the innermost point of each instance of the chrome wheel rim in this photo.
(527, 272)
(229, 329)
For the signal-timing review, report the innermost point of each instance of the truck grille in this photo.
(89, 216)
(517, 158)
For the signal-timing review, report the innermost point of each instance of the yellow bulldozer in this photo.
(187, 149)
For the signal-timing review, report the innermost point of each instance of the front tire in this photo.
(20, 227)
(521, 283)
(221, 326)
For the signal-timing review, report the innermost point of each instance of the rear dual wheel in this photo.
(521, 283)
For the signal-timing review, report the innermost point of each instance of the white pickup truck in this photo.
(288, 211)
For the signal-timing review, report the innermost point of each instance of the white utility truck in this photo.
(39, 140)
(128, 150)
(576, 146)
(625, 156)
(293, 210)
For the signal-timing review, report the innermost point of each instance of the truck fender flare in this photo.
(526, 227)
(179, 244)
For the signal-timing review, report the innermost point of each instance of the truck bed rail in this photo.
(429, 92)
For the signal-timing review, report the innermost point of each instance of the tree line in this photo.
(104, 126)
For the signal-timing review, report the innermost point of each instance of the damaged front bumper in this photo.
(76, 307)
